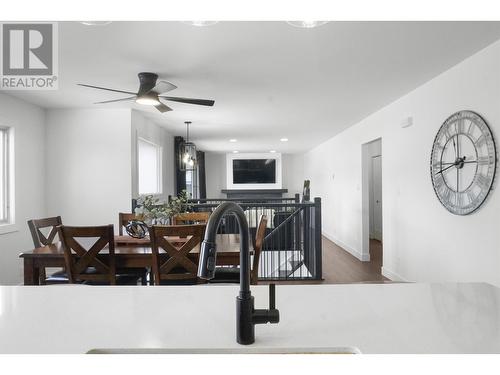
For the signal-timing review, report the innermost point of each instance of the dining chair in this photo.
(124, 218)
(85, 261)
(191, 218)
(177, 241)
(41, 239)
(231, 274)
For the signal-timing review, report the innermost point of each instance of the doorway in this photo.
(372, 203)
(376, 245)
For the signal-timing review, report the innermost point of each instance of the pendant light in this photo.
(188, 152)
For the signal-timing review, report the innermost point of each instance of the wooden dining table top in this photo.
(227, 245)
(129, 253)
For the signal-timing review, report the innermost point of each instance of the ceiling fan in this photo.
(151, 90)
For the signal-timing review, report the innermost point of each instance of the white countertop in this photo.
(376, 318)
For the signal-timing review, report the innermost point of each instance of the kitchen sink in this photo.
(240, 350)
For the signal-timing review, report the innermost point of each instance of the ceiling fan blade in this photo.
(117, 100)
(189, 100)
(105, 88)
(163, 108)
(163, 87)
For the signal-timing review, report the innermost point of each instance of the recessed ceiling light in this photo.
(307, 24)
(200, 23)
(95, 23)
(284, 139)
(272, 151)
(235, 152)
(233, 140)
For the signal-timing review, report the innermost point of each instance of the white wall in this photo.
(88, 179)
(293, 173)
(422, 241)
(215, 174)
(292, 166)
(29, 145)
(146, 129)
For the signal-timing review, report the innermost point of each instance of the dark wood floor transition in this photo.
(341, 267)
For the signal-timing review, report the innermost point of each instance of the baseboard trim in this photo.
(355, 253)
(376, 235)
(391, 275)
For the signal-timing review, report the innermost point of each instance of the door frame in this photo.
(366, 179)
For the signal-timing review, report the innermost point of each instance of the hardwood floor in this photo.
(340, 267)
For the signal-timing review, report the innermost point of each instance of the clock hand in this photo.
(442, 170)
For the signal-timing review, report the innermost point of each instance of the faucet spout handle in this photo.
(208, 255)
(272, 296)
(273, 312)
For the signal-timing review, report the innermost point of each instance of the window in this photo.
(192, 183)
(4, 176)
(149, 166)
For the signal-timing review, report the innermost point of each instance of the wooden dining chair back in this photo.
(37, 225)
(177, 241)
(40, 239)
(259, 241)
(124, 218)
(191, 218)
(83, 262)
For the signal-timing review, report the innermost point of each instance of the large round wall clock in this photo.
(463, 162)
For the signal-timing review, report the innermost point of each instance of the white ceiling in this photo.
(269, 80)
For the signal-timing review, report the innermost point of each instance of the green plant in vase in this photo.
(155, 213)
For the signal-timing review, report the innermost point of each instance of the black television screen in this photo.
(254, 171)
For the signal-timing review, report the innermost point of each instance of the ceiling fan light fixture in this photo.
(147, 100)
(151, 92)
(307, 24)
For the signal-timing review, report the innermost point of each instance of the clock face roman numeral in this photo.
(471, 196)
(481, 141)
(470, 128)
(447, 195)
(483, 160)
(438, 181)
(460, 126)
(482, 181)
(449, 132)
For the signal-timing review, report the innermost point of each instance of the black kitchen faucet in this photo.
(246, 315)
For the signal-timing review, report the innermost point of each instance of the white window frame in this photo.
(159, 153)
(7, 224)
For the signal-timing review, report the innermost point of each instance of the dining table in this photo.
(129, 253)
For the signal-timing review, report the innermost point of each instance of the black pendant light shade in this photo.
(188, 152)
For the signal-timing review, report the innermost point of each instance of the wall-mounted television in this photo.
(254, 171)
